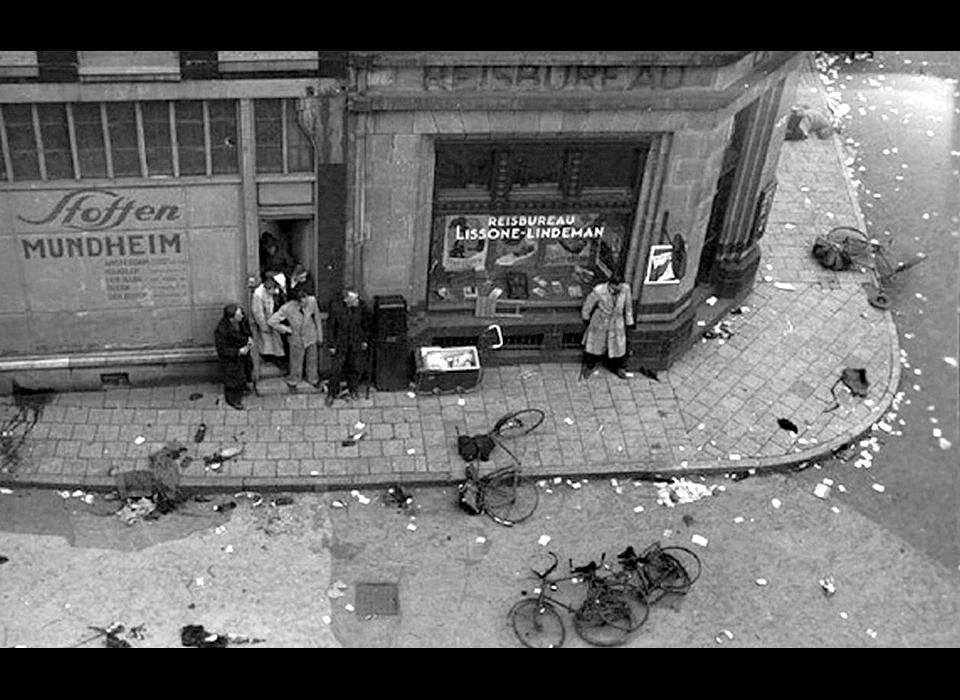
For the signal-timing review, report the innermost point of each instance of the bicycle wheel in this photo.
(508, 500)
(518, 423)
(537, 625)
(603, 622)
(624, 606)
(678, 570)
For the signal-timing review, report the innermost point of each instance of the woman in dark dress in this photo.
(234, 341)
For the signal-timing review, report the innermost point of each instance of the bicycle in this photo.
(658, 571)
(870, 256)
(606, 617)
(502, 495)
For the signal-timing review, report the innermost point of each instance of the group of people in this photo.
(288, 331)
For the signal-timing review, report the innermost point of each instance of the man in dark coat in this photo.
(349, 343)
(234, 342)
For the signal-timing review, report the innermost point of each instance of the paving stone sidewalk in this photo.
(716, 409)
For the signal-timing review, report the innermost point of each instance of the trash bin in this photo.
(391, 363)
(447, 370)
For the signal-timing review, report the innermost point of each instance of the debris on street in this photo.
(3, 559)
(700, 540)
(681, 491)
(396, 496)
(828, 585)
(821, 491)
(197, 636)
(724, 634)
(720, 330)
(761, 582)
(788, 425)
(544, 540)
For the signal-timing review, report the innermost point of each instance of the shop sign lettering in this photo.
(553, 78)
(119, 245)
(100, 210)
(532, 227)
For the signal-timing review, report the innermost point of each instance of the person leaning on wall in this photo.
(234, 343)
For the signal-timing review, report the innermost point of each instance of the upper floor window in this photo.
(282, 144)
(87, 140)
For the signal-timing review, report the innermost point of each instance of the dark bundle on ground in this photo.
(197, 636)
(161, 483)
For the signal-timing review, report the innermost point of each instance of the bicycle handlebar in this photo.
(556, 563)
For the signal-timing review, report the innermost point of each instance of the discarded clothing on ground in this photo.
(197, 636)
(396, 496)
(831, 254)
(855, 380)
(471, 447)
(804, 121)
(681, 491)
(137, 509)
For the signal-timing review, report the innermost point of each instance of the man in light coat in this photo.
(305, 333)
(269, 342)
(607, 311)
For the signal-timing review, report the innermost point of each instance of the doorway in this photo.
(295, 237)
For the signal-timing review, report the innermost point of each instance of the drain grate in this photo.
(377, 599)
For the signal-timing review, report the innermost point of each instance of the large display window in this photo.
(534, 223)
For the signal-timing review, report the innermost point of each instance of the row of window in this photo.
(501, 173)
(107, 140)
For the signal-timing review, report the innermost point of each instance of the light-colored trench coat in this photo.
(269, 341)
(609, 315)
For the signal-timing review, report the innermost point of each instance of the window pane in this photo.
(22, 142)
(89, 131)
(55, 135)
(537, 166)
(122, 122)
(269, 135)
(610, 166)
(190, 143)
(461, 167)
(299, 148)
(156, 134)
(223, 135)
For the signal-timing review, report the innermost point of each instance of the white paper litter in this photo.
(638, 509)
(952, 361)
(568, 421)
(681, 491)
(944, 444)
(711, 301)
(879, 488)
(775, 503)
(411, 527)
(199, 581)
(481, 540)
(140, 440)
(761, 582)
(326, 619)
(871, 633)
(411, 395)
(348, 607)
(786, 286)
(228, 549)
(544, 540)
(738, 519)
(5, 491)
(821, 491)
(698, 539)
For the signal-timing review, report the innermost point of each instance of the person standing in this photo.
(349, 330)
(269, 342)
(607, 311)
(234, 342)
(305, 333)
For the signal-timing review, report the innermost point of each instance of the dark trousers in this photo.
(236, 375)
(347, 367)
(614, 364)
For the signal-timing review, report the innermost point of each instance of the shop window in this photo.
(191, 142)
(223, 136)
(21, 139)
(527, 222)
(124, 142)
(268, 121)
(55, 137)
(463, 171)
(156, 135)
(88, 129)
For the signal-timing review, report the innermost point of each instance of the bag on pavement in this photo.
(830, 255)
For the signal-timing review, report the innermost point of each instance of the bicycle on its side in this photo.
(658, 571)
(607, 616)
(502, 495)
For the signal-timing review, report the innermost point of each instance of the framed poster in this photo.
(660, 266)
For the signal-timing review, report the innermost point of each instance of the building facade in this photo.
(481, 186)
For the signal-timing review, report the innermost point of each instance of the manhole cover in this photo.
(377, 599)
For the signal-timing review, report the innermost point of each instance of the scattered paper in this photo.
(821, 491)
(568, 421)
(879, 488)
(761, 582)
(326, 619)
(738, 519)
(638, 509)
(785, 286)
(544, 540)
(952, 361)
(697, 539)
(411, 527)
(481, 540)
(140, 440)
(775, 503)
(5, 491)
(348, 607)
